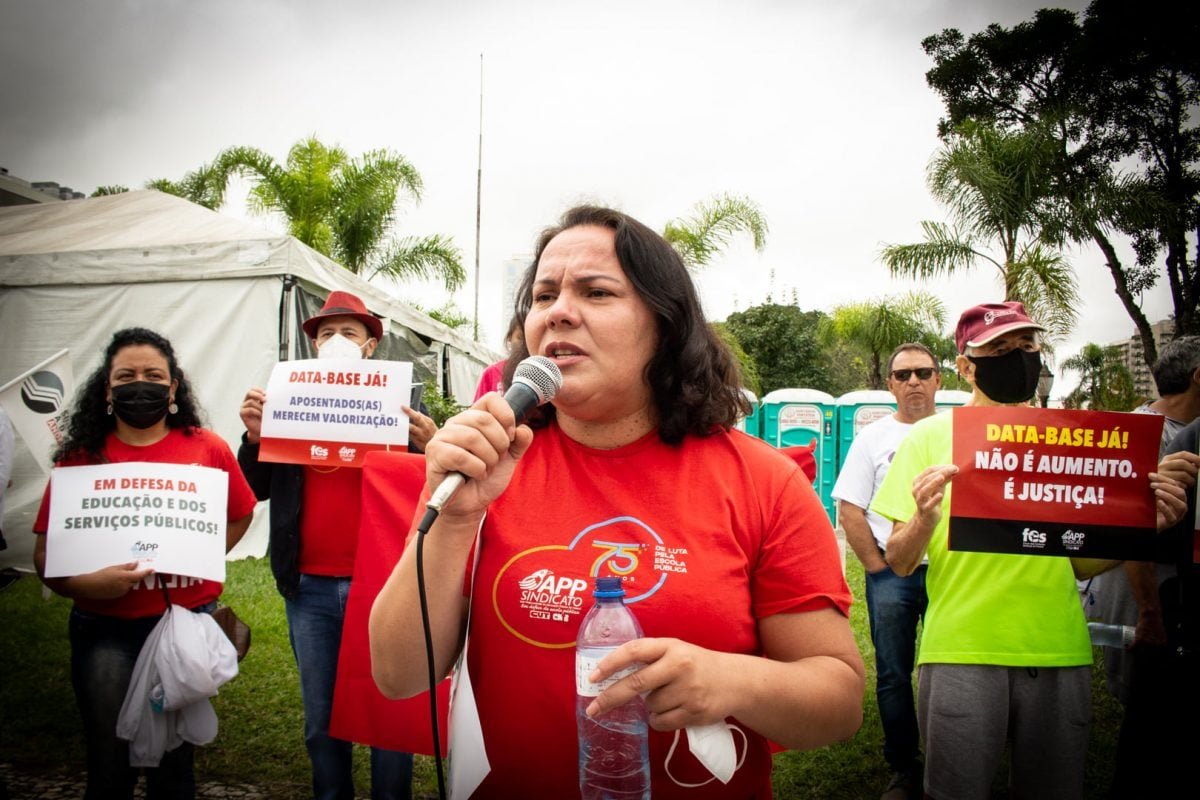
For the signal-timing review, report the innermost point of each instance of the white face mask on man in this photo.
(338, 346)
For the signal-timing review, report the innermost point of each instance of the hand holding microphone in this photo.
(535, 381)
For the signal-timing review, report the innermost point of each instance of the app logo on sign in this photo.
(1073, 540)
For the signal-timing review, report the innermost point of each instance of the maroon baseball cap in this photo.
(980, 324)
(344, 304)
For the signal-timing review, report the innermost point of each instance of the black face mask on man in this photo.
(1010, 378)
(141, 404)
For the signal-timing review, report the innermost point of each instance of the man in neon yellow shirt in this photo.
(1005, 654)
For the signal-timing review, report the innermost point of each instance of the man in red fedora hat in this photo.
(314, 536)
(1005, 656)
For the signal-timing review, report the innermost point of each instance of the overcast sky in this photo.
(817, 110)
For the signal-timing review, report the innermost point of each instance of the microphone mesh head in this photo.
(540, 374)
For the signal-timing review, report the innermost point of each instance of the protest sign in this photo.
(1054, 482)
(171, 517)
(331, 412)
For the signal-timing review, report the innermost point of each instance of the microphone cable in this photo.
(423, 527)
(536, 380)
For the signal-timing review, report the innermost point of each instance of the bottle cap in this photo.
(608, 587)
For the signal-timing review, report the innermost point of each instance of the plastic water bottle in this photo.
(614, 759)
(1105, 635)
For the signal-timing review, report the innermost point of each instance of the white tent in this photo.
(229, 295)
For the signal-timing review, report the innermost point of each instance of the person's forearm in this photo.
(235, 530)
(800, 705)
(398, 661)
(860, 537)
(1143, 584)
(1085, 568)
(907, 544)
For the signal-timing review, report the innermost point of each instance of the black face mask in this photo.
(141, 404)
(1010, 378)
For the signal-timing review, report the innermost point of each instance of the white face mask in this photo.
(338, 346)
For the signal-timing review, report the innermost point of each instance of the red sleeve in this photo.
(241, 498)
(799, 567)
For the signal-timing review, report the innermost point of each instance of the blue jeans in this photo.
(894, 606)
(104, 650)
(315, 617)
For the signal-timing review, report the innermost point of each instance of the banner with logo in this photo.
(333, 411)
(36, 402)
(1054, 482)
(171, 517)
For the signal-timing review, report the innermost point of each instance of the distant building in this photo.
(512, 271)
(16, 191)
(1130, 352)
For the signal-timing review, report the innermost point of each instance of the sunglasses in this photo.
(923, 373)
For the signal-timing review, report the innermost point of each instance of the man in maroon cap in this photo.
(1005, 654)
(314, 536)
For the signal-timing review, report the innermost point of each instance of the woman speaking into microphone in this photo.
(634, 470)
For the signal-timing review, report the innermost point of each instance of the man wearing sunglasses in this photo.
(895, 603)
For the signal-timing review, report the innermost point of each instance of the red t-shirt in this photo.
(492, 380)
(329, 515)
(202, 448)
(710, 537)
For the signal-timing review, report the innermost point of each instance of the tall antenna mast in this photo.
(478, 198)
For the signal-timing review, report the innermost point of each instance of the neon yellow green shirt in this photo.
(984, 608)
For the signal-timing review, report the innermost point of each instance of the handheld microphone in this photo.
(535, 381)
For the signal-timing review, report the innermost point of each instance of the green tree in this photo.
(877, 326)
(712, 224)
(1124, 84)
(448, 314)
(341, 206)
(204, 186)
(103, 191)
(441, 407)
(997, 185)
(1104, 382)
(750, 377)
(783, 342)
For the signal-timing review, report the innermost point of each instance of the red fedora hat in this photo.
(344, 304)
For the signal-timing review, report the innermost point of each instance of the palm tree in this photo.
(997, 185)
(340, 206)
(876, 327)
(712, 224)
(1104, 382)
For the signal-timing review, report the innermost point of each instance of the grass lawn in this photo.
(260, 740)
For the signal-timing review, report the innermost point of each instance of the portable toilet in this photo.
(857, 410)
(792, 417)
(751, 424)
(949, 398)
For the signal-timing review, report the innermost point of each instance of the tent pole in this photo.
(286, 310)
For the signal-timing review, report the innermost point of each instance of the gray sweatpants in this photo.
(967, 712)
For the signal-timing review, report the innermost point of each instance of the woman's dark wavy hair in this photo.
(693, 378)
(89, 423)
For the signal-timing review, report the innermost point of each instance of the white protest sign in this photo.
(171, 517)
(332, 411)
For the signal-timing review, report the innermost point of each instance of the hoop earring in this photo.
(108, 410)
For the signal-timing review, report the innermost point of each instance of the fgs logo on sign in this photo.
(1032, 539)
(43, 392)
